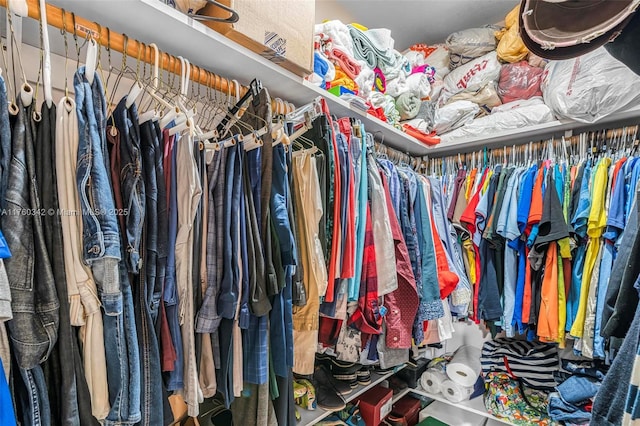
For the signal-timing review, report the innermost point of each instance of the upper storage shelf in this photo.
(177, 34)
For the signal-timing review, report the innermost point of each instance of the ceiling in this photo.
(416, 21)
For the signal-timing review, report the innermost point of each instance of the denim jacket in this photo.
(100, 235)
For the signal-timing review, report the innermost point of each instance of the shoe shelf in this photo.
(149, 21)
(309, 417)
(400, 394)
(475, 405)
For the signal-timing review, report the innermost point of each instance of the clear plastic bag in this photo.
(519, 81)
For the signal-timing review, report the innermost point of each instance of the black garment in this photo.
(320, 135)
(622, 299)
(284, 404)
(552, 225)
(59, 369)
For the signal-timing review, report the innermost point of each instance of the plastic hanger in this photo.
(230, 20)
(183, 122)
(46, 58)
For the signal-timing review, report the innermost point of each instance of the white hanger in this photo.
(90, 62)
(152, 91)
(183, 121)
(46, 63)
(134, 93)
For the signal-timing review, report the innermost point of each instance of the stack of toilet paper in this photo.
(455, 380)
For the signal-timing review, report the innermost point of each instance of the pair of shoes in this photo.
(349, 416)
(345, 371)
(364, 376)
(329, 391)
(304, 394)
(214, 412)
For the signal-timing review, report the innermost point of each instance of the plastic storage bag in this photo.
(589, 87)
(472, 76)
(454, 115)
(510, 47)
(519, 81)
(502, 118)
(486, 97)
(464, 46)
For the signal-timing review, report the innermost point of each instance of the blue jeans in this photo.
(281, 323)
(103, 252)
(34, 401)
(228, 296)
(146, 293)
(561, 411)
(578, 389)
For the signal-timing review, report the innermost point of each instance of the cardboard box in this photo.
(279, 30)
(375, 405)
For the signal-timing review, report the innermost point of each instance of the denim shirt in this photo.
(100, 235)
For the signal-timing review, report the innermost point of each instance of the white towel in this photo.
(419, 85)
(339, 34)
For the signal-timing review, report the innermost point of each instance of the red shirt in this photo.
(401, 304)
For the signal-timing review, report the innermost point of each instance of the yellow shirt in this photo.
(595, 228)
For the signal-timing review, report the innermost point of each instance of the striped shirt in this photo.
(532, 362)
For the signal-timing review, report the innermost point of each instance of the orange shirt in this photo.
(548, 318)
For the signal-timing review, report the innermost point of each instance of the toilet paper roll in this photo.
(455, 392)
(465, 366)
(432, 380)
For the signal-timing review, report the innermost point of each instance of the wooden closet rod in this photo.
(82, 28)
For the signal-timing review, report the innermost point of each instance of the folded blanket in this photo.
(343, 79)
(408, 106)
(342, 59)
(375, 47)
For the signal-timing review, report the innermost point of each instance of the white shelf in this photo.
(475, 405)
(177, 34)
(535, 133)
(312, 417)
